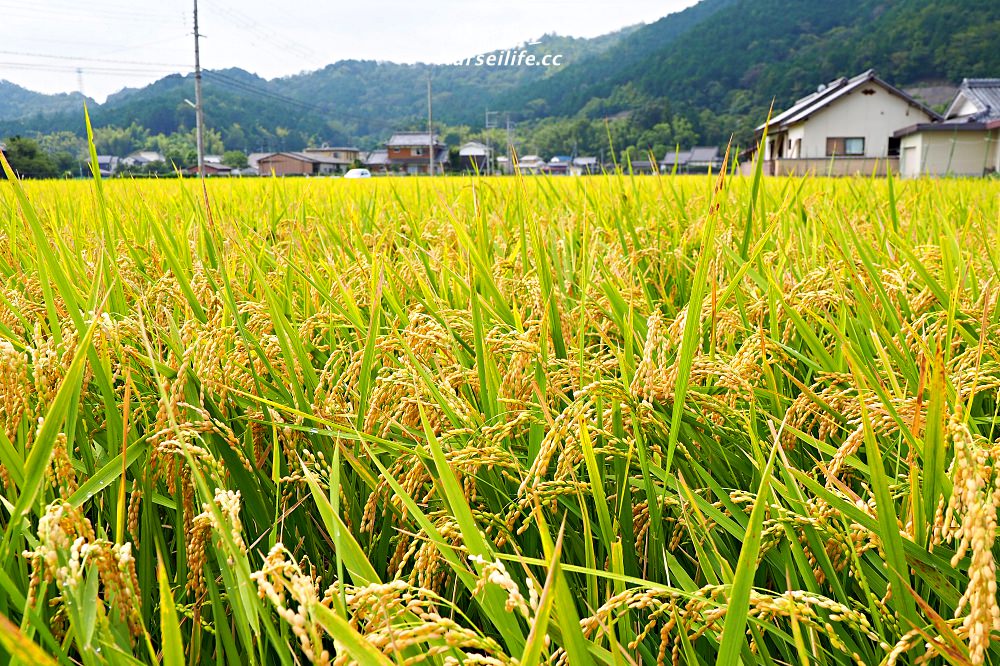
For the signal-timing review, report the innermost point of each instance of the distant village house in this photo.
(409, 152)
(531, 164)
(141, 158)
(344, 157)
(700, 159)
(474, 157)
(107, 165)
(297, 164)
(213, 167)
(585, 166)
(559, 165)
(377, 161)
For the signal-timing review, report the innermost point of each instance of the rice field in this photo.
(605, 420)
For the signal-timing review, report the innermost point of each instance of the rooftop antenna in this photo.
(199, 117)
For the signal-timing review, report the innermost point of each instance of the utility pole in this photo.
(430, 128)
(199, 117)
(510, 146)
(491, 123)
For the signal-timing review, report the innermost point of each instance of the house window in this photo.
(395, 149)
(837, 146)
(417, 152)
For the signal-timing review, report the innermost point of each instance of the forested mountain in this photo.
(351, 101)
(696, 76)
(17, 102)
(722, 73)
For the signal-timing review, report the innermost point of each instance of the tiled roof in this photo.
(835, 90)
(411, 139)
(984, 94)
(704, 154)
(680, 158)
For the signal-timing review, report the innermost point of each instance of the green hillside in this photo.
(719, 77)
(17, 102)
(351, 101)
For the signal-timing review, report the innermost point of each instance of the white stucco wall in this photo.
(948, 153)
(796, 135)
(874, 117)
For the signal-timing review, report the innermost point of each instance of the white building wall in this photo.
(910, 149)
(796, 136)
(948, 153)
(874, 117)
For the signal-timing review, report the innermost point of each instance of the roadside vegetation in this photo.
(606, 420)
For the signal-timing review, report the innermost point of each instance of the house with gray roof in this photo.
(845, 127)
(377, 161)
(290, 163)
(474, 156)
(410, 152)
(343, 157)
(675, 160)
(142, 158)
(964, 143)
(585, 165)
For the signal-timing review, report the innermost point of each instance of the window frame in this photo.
(836, 146)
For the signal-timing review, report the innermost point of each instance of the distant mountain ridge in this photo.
(348, 101)
(17, 102)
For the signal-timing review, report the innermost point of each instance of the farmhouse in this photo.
(377, 161)
(585, 165)
(142, 157)
(675, 159)
(211, 169)
(640, 167)
(474, 156)
(253, 159)
(530, 164)
(846, 127)
(559, 165)
(410, 152)
(964, 144)
(343, 157)
(107, 165)
(704, 159)
(296, 164)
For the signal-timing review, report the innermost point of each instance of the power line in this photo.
(29, 11)
(114, 61)
(257, 90)
(265, 33)
(45, 67)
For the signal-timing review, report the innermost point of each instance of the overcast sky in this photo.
(117, 43)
